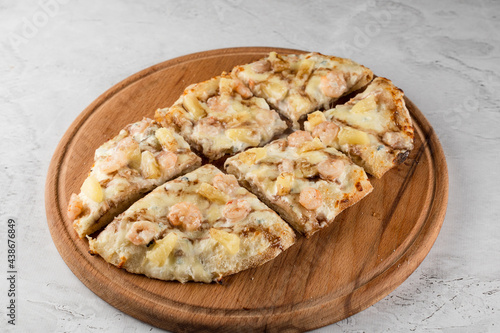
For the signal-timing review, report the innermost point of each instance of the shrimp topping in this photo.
(326, 132)
(138, 127)
(126, 150)
(217, 104)
(142, 232)
(298, 138)
(333, 84)
(209, 126)
(166, 160)
(241, 89)
(185, 214)
(261, 66)
(236, 210)
(75, 206)
(331, 169)
(113, 162)
(310, 198)
(225, 183)
(286, 165)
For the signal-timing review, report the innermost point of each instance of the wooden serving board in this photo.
(371, 249)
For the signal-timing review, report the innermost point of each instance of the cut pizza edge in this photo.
(309, 189)
(374, 128)
(198, 227)
(142, 156)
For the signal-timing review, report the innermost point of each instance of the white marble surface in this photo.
(55, 60)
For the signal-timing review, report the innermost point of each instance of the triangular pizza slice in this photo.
(199, 227)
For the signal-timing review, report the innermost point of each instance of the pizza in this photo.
(198, 227)
(221, 116)
(307, 183)
(141, 157)
(207, 224)
(374, 128)
(296, 85)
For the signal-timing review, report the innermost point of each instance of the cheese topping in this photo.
(298, 180)
(298, 84)
(221, 116)
(234, 228)
(141, 157)
(374, 127)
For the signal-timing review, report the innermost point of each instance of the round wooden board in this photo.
(370, 250)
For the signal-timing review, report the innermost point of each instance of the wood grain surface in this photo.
(370, 250)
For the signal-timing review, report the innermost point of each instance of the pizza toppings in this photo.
(161, 249)
(302, 180)
(166, 160)
(92, 189)
(212, 193)
(298, 138)
(310, 198)
(222, 116)
(296, 85)
(75, 207)
(225, 183)
(333, 84)
(185, 214)
(231, 242)
(236, 210)
(326, 131)
(179, 232)
(331, 169)
(142, 232)
(373, 128)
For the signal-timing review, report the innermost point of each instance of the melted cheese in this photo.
(117, 177)
(219, 246)
(265, 175)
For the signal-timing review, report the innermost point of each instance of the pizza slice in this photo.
(199, 227)
(298, 84)
(221, 116)
(374, 128)
(307, 183)
(141, 157)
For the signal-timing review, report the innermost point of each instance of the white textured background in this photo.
(57, 56)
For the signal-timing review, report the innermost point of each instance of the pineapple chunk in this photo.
(275, 88)
(230, 241)
(315, 144)
(162, 249)
(252, 156)
(214, 213)
(365, 105)
(284, 183)
(166, 139)
(305, 68)
(313, 120)
(226, 86)
(211, 193)
(134, 157)
(234, 119)
(245, 135)
(312, 87)
(299, 104)
(92, 189)
(149, 166)
(193, 105)
(204, 90)
(352, 136)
